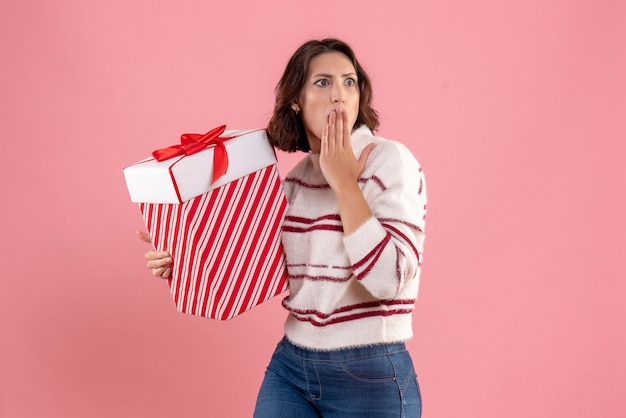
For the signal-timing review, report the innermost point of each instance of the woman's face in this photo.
(331, 84)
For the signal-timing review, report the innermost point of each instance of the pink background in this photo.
(516, 110)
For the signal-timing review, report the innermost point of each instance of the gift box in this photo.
(225, 241)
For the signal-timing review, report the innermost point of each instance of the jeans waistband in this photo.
(344, 354)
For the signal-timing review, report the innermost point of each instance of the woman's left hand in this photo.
(342, 170)
(337, 161)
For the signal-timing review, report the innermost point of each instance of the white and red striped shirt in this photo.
(360, 289)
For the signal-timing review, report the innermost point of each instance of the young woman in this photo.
(353, 239)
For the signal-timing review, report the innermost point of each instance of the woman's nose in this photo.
(338, 95)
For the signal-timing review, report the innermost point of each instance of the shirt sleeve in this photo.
(386, 250)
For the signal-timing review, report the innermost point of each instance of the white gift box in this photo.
(224, 236)
(183, 177)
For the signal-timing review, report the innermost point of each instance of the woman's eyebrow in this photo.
(352, 74)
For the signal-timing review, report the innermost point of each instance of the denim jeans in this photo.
(375, 381)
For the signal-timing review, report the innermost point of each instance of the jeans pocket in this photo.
(374, 369)
(405, 372)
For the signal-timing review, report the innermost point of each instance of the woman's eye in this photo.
(322, 82)
(350, 82)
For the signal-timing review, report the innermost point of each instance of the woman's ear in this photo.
(295, 107)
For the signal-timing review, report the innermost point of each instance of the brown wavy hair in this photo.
(286, 129)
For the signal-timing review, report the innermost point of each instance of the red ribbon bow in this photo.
(193, 143)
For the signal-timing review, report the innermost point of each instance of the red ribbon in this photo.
(193, 143)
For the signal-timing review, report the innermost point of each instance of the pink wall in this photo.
(515, 109)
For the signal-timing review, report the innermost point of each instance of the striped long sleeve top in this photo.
(359, 289)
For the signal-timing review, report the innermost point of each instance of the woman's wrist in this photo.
(353, 208)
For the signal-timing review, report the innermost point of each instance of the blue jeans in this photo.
(375, 381)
